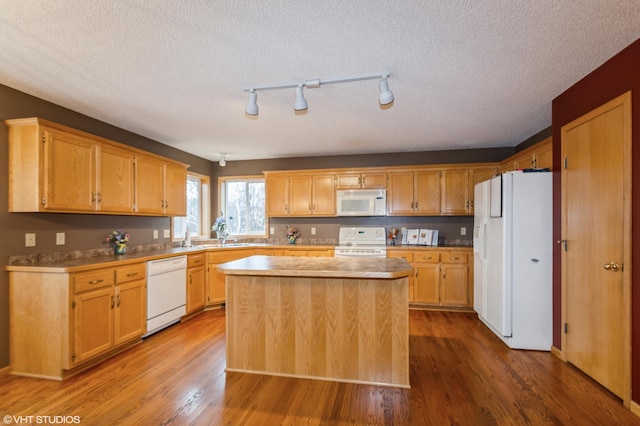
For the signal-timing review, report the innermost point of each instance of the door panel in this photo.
(596, 226)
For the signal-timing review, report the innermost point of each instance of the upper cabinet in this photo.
(300, 194)
(161, 187)
(436, 191)
(53, 168)
(367, 180)
(538, 156)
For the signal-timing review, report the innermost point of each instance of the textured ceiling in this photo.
(465, 73)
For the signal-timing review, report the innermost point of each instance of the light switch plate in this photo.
(155, 234)
(30, 240)
(272, 230)
(60, 238)
(463, 230)
(313, 230)
(167, 233)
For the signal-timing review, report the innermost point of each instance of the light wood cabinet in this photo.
(216, 293)
(110, 314)
(414, 193)
(196, 282)
(441, 277)
(355, 180)
(160, 187)
(458, 187)
(301, 194)
(538, 156)
(53, 168)
(63, 321)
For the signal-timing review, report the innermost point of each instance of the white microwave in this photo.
(362, 202)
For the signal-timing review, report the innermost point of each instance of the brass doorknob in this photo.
(612, 266)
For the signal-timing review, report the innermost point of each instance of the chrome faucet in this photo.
(224, 238)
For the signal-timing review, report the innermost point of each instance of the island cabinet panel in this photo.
(343, 329)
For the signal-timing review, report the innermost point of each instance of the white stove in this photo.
(361, 241)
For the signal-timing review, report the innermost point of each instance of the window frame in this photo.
(204, 208)
(222, 180)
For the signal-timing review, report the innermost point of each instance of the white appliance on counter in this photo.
(166, 292)
(512, 244)
(361, 241)
(361, 202)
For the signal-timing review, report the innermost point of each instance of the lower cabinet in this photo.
(60, 321)
(441, 277)
(215, 287)
(196, 282)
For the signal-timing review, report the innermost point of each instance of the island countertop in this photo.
(326, 267)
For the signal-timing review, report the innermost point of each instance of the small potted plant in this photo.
(119, 239)
(292, 234)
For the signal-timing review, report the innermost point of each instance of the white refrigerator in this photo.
(512, 245)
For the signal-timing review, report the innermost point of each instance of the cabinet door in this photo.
(216, 292)
(300, 192)
(400, 196)
(374, 180)
(324, 195)
(195, 288)
(115, 183)
(455, 192)
(130, 311)
(348, 181)
(427, 283)
(454, 285)
(149, 185)
(92, 323)
(476, 176)
(277, 195)
(408, 256)
(175, 190)
(69, 178)
(427, 192)
(544, 154)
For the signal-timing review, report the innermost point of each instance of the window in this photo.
(242, 203)
(197, 218)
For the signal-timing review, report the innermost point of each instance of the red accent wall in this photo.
(615, 77)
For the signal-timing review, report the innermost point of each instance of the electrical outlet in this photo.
(463, 230)
(30, 240)
(313, 231)
(272, 230)
(167, 233)
(60, 238)
(155, 234)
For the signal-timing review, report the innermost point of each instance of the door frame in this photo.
(623, 100)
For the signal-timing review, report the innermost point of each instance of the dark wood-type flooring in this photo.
(460, 374)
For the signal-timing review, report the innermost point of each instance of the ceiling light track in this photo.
(385, 97)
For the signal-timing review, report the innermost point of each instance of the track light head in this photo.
(301, 102)
(386, 97)
(223, 161)
(252, 105)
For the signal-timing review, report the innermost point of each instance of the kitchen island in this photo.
(339, 319)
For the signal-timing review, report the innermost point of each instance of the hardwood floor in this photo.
(460, 374)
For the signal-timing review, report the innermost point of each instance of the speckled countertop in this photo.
(323, 267)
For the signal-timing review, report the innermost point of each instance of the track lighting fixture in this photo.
(301, 102)
(252, 105)
(223, 161)
(385, 97)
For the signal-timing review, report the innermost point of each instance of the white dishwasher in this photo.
(166, 292)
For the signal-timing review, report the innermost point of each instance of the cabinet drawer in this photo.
(427, 257)
(130, 273)
(194, 260)
(455, 257)
(93, 279)
(400, 254)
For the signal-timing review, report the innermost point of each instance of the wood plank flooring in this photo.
(461, 374)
